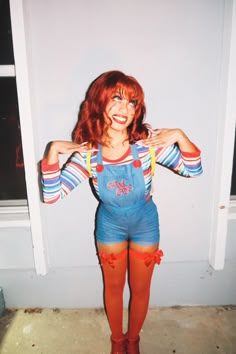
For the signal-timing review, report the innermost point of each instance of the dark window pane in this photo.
(233, 181)
(12, 174)
(6, 47)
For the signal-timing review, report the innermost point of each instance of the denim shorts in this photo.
(138, 223)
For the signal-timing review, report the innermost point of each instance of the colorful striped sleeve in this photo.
(187, 164)
(57, 183)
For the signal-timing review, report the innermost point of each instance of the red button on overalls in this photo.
(137, 163)
(99, 168)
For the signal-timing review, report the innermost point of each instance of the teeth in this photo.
(120, 118)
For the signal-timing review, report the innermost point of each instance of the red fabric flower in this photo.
(99, 168)
(137, 163)
(153, 257)
(110, 259)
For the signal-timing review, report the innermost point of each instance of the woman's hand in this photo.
(65, 147)
(165, 137)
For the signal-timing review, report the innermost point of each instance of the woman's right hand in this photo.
(65, 147)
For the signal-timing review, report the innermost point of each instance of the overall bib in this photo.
(124, 213)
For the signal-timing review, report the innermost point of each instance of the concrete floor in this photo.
(180, 330)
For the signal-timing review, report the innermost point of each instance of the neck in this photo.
(115, 138)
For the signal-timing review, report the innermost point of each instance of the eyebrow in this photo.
(121, 94)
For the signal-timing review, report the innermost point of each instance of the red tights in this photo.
(140, 267)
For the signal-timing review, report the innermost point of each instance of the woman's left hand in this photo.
(162, 138)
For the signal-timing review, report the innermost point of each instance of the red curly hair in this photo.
(91, 126)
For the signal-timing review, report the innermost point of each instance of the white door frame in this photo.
(225, 141)
(27, 132)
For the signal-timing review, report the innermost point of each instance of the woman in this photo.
(112, 145)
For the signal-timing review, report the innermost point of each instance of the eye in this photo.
(117, 98)
(133, 103)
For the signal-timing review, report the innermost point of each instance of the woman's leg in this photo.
(113, 259)
(142, 260)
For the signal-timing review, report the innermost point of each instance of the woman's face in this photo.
(119, 112)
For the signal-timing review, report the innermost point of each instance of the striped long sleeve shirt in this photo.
(58, 182)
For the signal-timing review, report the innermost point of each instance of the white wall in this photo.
(174, 49)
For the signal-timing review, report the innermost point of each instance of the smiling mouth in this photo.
(119, 119)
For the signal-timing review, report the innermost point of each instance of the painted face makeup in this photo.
(119, 112)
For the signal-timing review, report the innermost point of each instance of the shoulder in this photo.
(143, 151)
(82, 157)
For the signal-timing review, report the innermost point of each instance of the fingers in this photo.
(85, 150)
(150, 142)
(84, 147)
(147, 143)
(69, 147)
(155, 131)
(160, 138)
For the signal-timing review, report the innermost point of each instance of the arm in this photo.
(56, 182)
(175, 150)
(166, 137)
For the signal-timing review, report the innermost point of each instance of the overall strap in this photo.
(152, 154)
(134, 151)
(99, 154)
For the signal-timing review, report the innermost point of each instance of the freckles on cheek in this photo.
(110, 108)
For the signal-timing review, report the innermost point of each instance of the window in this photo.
(12, 173)
(233, 180)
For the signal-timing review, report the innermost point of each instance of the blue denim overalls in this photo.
(124, 213)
